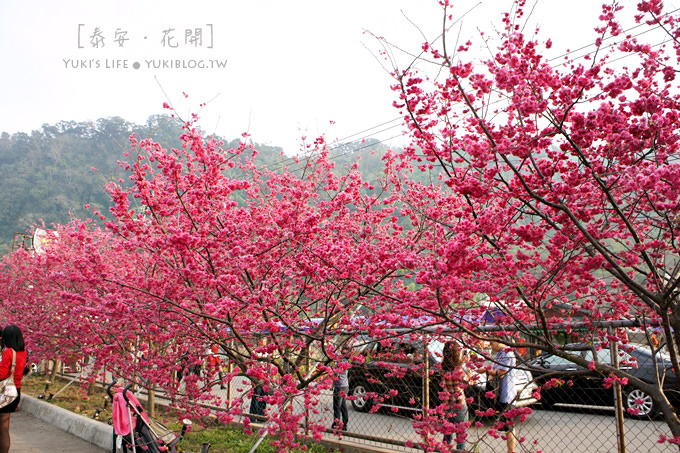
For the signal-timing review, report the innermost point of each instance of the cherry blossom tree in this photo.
(207, 248)
(558, 195)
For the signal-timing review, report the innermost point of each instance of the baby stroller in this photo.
(134, 431)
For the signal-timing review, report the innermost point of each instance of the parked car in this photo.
(582, 387)
(392, 376)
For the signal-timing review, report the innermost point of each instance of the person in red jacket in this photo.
(12, 340)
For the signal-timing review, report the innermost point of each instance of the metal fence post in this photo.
(426, 380)
(230, 370)
(618, 401)
(306, 364)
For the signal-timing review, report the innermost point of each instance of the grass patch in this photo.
(223, 439)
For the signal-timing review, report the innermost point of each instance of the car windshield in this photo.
(643, 356)
(665, 356)
(436, 348)
(662, 357)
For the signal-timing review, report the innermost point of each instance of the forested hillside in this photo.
(49, 175)
(52, 173)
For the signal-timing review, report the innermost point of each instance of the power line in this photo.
(366, 130)
(283, 163)
(608, 46)
(610, 37)
(630, 55)
(340, 142)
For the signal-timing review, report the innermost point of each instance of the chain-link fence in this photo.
(396, 400)
(395, 382)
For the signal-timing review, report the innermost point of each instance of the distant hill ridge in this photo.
(48, 175)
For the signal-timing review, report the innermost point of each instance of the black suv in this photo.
(581, 387)
(392, 376)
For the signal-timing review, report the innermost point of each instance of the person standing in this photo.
(504, 369)
(213, 365)
(13, 350)
(455, 378)
(258, 405)
(340, 391)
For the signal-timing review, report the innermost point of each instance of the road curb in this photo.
(92, 431)
(101, 434)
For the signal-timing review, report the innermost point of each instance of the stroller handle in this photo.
(186, 425)
(125, 391)
(108, 388)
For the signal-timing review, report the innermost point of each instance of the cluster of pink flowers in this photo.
(555, 194)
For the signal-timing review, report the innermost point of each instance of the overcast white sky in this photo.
(291, 69)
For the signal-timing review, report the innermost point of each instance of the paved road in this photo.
(551, 431)
(32, 435)
(561, 430)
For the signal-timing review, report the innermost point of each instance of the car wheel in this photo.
(359, 398)
(637, 400)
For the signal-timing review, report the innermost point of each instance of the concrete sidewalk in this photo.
(42, 427)
(29, 434)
